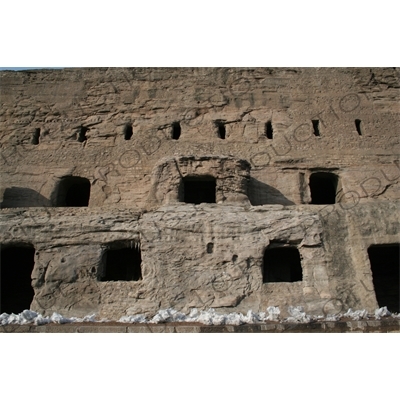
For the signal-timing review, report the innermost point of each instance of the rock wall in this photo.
(142, 139)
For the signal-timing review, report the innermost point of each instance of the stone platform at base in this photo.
(364, 326)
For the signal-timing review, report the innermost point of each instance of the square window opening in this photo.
(121, 264)
(198, 190)
(323, 187)
(282, 264)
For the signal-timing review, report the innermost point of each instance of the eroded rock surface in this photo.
(97, 161)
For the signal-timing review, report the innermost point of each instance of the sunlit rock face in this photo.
(128, 190)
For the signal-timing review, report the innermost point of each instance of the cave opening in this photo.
(122, 264)
(268, 130)
(282, 264)
(315, 123)
(221, 130)
(128, 131)
(358, 126)
(35, 136)
(73, 191)
(16, 267)
(176, 130)
(323, 187)
(385, 267)
(199, 189)
(82, 134)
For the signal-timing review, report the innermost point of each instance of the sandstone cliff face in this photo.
(100, 160)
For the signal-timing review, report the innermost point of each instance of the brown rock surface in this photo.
(141, 137)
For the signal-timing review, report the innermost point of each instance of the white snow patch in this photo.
(333, 317)
(273, 314)
(133, 319)
(382, 312)
(298, 315)
(32, 317)
(356, 315)
(205, 317)
(168, 315)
